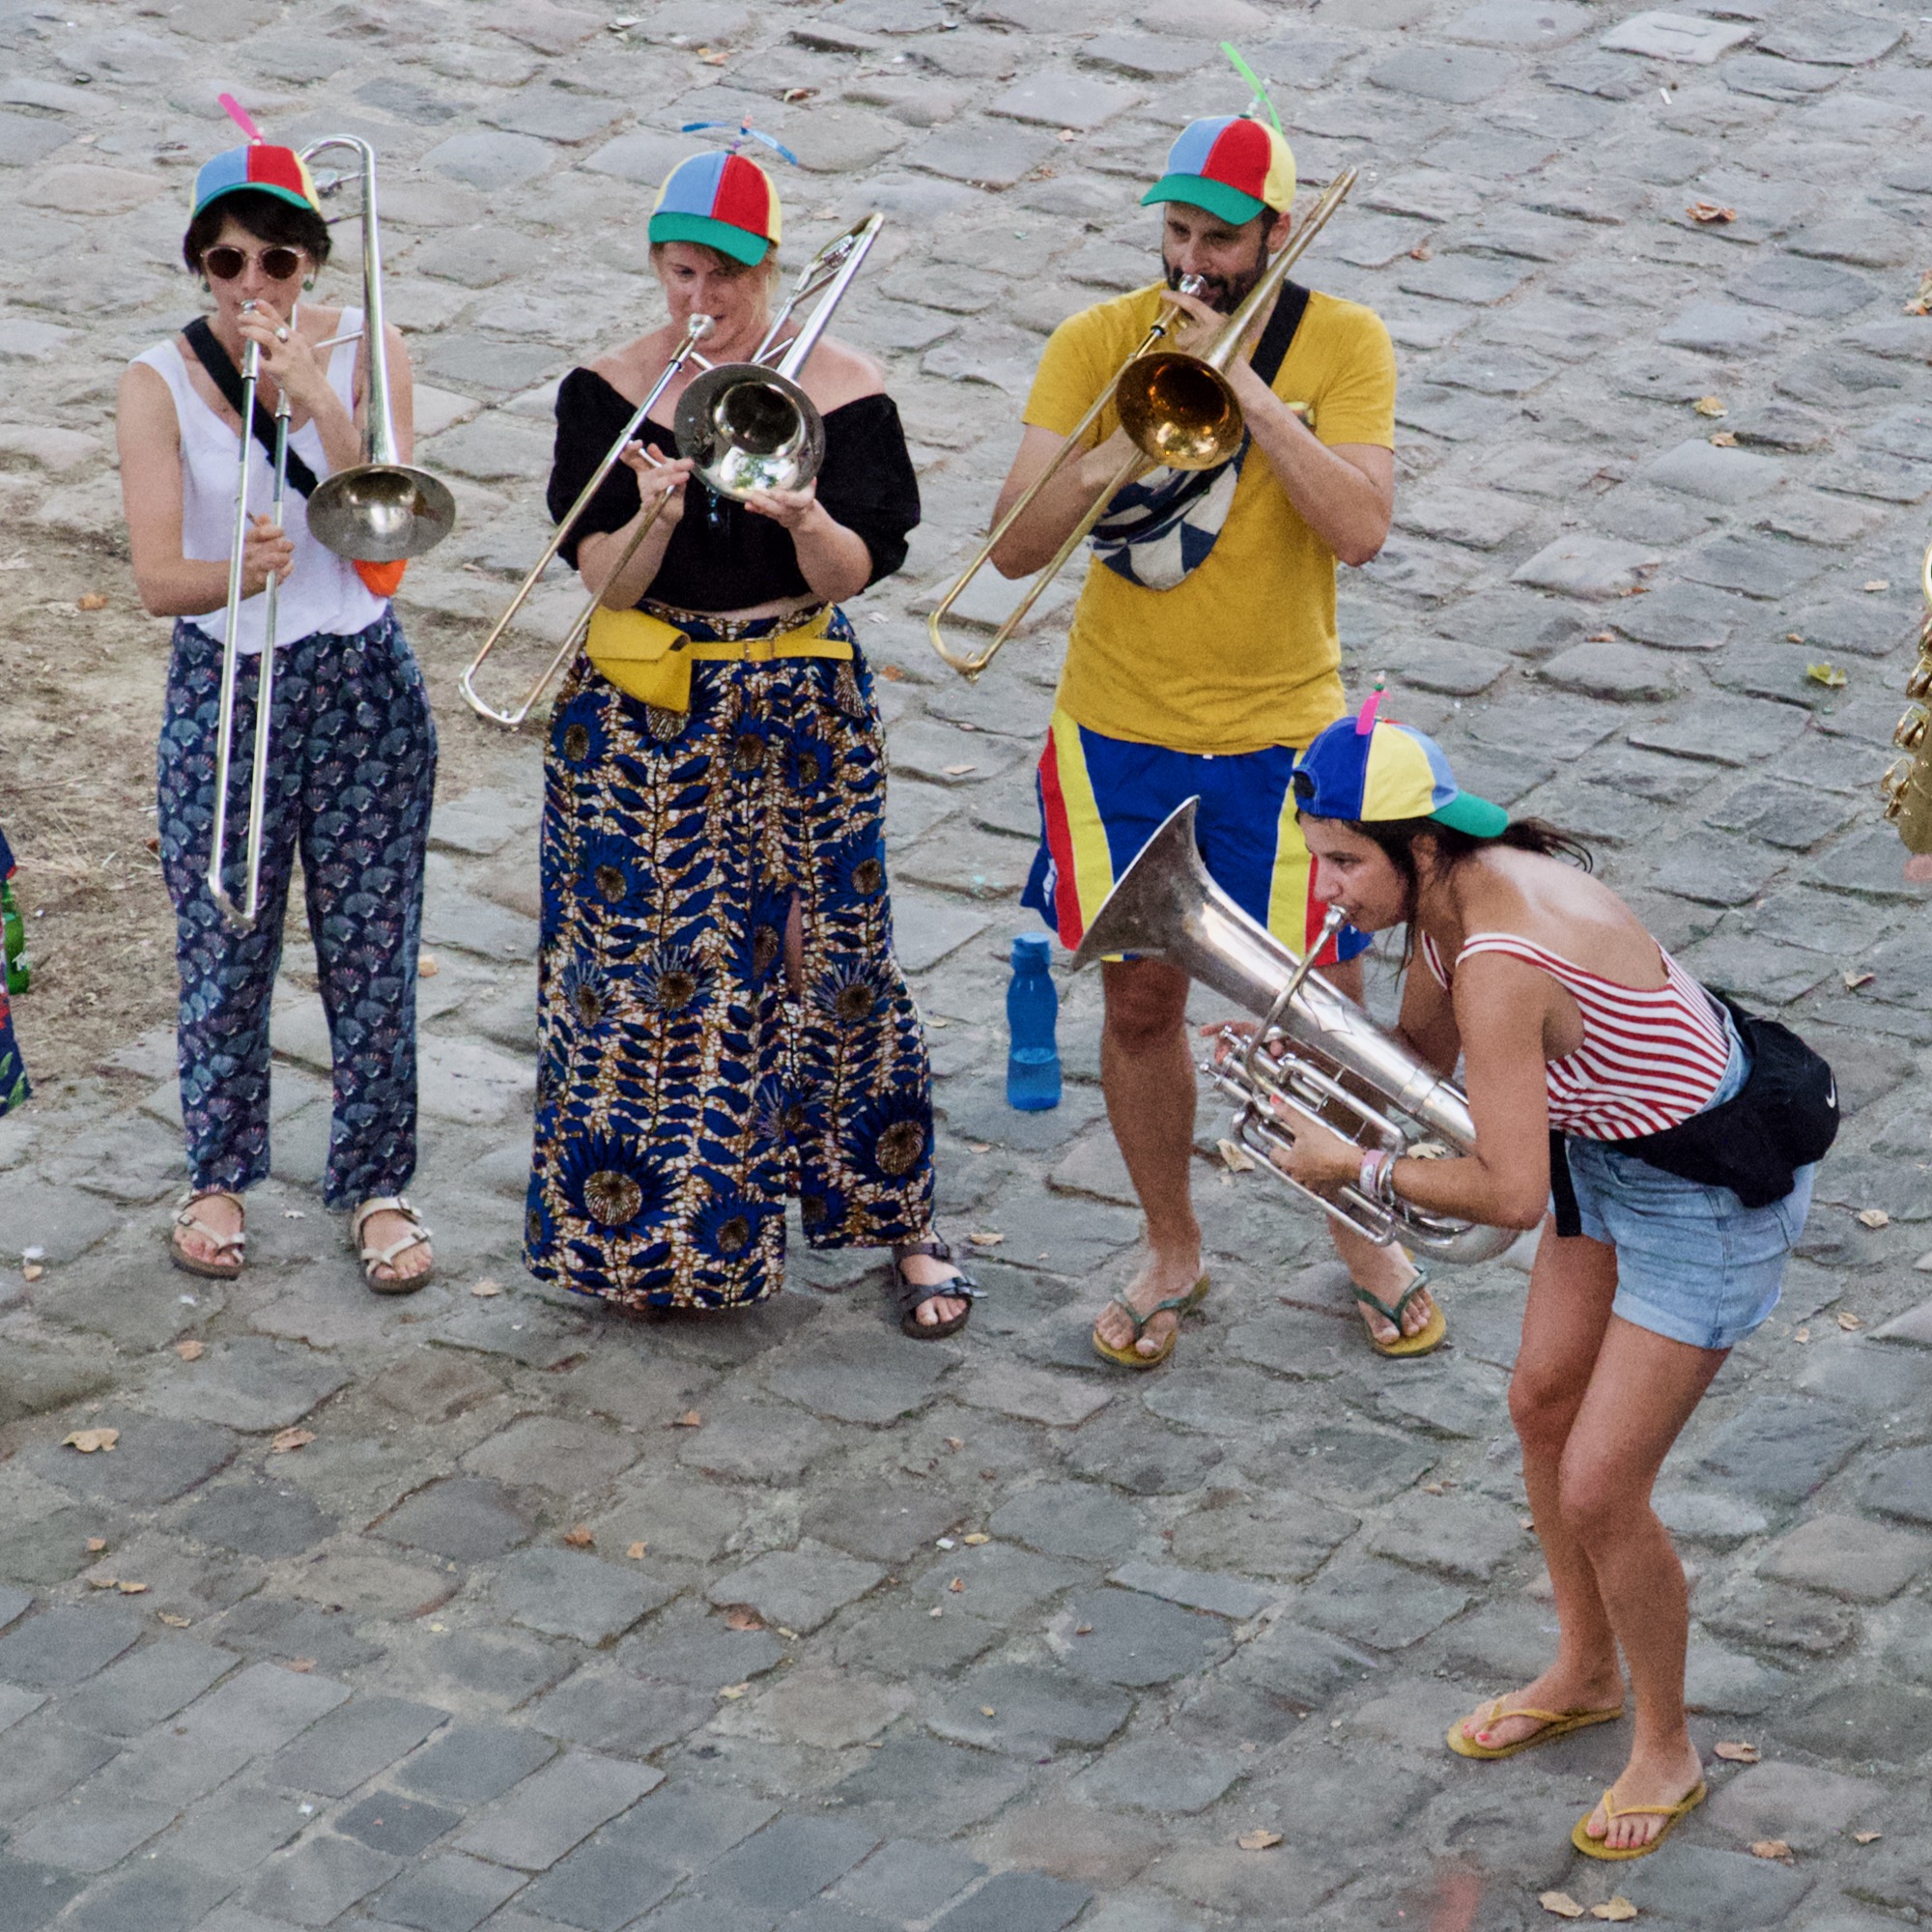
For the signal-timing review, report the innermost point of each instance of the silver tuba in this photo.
(1315, 1051)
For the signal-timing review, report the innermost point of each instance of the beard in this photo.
(1223, 294)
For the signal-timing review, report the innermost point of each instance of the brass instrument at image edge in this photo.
(747, 426)
(1908, 785)
(1178, 409)
(380, 510)
(1315, 1052)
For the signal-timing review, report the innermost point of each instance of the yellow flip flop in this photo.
(1555, 1725)
(1672, 1815)
(1424, 1340)
(1176, 1305)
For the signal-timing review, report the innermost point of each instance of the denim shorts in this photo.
(1693, 1263)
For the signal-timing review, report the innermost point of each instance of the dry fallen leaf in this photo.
(300, 1665)
(977, 1537)
(1769, 1848)
(1878, 583)
(1421, 253)
(1617, 1909)
(1827, 674)
(977, 1147)
(1560, 1903)
(97, 600)
(173, 1621)
(1849, 1321)
(1083, 1630)
(690, 1419)
(426, 966)
(88, 1440)
(1710, 406)
(132, 1589)
(30, 1270)
(486, 1289)
(986, 1237)
(790, 1636)
(95, 1544)
(1853, 980)
(1707, 211)
(733, 1692)
(937, 1611)
(1258, 1840)
(957, 1585)
(952, 771)
(102, 1583)
(743, 1617)
(987, 1711)
(581, 1537)
(1802, 1335)
(955, 1443)
(1739, 1754)
(1724, 439)
(1873, 1217)
(1794, 637)
(636, 1553)
(1601, 637)
(892, 674)
(189, 1350)
(285, 1441)
(1922, 303)
(1867, 1837)
(792, 94)
(1235, 1157)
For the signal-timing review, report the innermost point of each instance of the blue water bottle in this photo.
(1033, 1058)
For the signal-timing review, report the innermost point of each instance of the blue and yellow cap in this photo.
(1367, 769)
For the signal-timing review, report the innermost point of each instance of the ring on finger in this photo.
(282, 333)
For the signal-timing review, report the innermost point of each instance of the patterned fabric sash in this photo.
(1159, 529)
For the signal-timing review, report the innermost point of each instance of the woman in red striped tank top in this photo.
(1568, 1017)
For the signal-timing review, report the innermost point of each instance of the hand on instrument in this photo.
(285, 357)
(659, 476)
(793, 509)
(266, 550)
(1195, 333)
(1319, 1158)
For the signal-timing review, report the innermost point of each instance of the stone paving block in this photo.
(369, 1584)
(858, 1374)
(388, 1822)
(754, 1441)
(823, 1709)
(88, 1833)
(995, 1580)
(1135, 1640)
(1035, 1395)
(1283, 1536)
(703, 1654)
(568, 1593)
(683, 1826)
(1077, 1520)
(1380, 1604)
(257, 1519)
(68, 1644)
(319, 1879)
(1463, 1537)
(1863, 1724)
(262, 1707)
(1726, 1681)
(156, 1895)
(1778, 1617)
(467, 1518)
(907, 1640)
(149, 1684)
(16, 1704)
(260, 1626)
(1349, 1467)
(1025, 1710)
(13, 1603)
(1017, 1902)
(249, 1384)
(906, 1878)
(798, 1588)
(155, 1462)
(1780, 1448)
(1195, 1589)
(237, 1827)
(615, 1711)
(471, 1764)
(1587, 566)
(60, 1220)
(559, 1807)
(791, 1860)
(600, 1887)
(552, 1452)
(450, 1893)
(352, 1744)
(694, 1911)
(886, 1522)
(1845, 1556)
(1804, 1805)
(1727, 1891)
(1160, 1773)
(30, 1895)
(947, 1780)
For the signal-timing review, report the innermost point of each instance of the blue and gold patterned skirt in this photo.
(684, 1090)
(14, 1087)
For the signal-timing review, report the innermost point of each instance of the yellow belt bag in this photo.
(648, 659)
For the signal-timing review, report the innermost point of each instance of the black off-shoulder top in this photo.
(723, 556)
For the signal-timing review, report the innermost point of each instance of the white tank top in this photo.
(322, 592)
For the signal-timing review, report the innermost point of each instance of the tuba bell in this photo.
(1316, 1053)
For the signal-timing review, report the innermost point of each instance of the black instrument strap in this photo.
(1278, 337)
(226, 378)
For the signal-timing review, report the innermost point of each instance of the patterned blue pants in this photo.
(352, 773)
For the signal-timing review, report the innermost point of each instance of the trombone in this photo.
(242, 916)
(382, 509)
(746, 426)
(1178, 409)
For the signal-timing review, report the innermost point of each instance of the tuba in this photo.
(1907, 787)
(1316, 1053)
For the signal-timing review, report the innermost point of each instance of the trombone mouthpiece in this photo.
(701, 326)
(1192, 285)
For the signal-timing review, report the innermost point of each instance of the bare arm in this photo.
(1052, 515)
(171, 584)
(1428, 1021)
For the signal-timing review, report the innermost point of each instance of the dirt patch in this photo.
(80, 711)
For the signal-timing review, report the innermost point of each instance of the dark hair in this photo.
(271, 219)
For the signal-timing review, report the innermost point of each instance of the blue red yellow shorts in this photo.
(1102, 799)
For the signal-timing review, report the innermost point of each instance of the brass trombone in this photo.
(1178, 409)
(746, 426)
(381, 509)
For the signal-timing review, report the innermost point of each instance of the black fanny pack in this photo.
(1784, 1117)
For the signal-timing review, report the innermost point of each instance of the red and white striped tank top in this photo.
(1648, 1061)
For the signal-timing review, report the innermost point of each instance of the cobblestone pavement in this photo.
(565, 1621)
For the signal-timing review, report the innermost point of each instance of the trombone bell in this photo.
(381, 512)
(750, 429)
(1179, 409)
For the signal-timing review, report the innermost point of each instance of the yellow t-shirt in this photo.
(1242, 652)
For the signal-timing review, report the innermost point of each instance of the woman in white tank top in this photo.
(352, 747)
(1673, 1211)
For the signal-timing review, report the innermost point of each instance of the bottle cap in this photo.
(1032, 948)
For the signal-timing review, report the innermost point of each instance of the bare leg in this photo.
(1570, 1293)
(1385, 1272)
(1147, 1074)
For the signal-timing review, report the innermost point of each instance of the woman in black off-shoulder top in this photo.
(723, 1024)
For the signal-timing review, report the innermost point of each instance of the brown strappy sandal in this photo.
(909, 1297)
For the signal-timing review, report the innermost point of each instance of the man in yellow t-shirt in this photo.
(1202, 654)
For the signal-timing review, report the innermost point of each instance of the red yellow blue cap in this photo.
(1231, 165)
(1366, 770)
(721, 201)
(261, 165)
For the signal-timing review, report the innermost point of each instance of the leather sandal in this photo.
(372, 1259)
(221, 1268)
(910, 1297)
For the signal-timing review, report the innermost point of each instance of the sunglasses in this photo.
(224, 263)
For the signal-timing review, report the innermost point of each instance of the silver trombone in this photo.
(382, 509)
(746, 426)
(242, 918)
